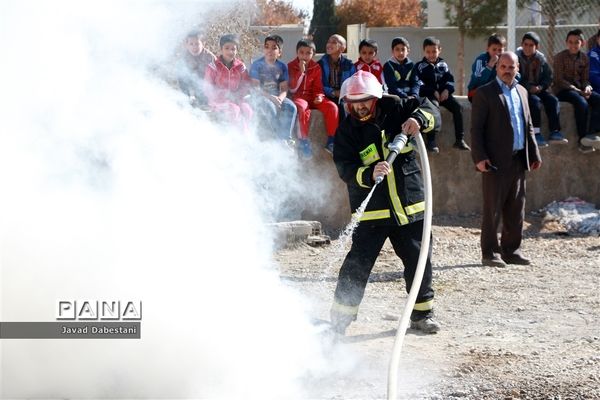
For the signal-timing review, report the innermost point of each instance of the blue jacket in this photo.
(594, 55)
(347, 69)
(434, 77)
(400, 79)
(480, 73)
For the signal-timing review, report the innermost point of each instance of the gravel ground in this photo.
(521, 332)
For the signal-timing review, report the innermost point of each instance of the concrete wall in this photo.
(457, 186)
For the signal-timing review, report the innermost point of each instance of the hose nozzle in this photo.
(395, 147)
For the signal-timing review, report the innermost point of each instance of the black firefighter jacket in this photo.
(399, 199)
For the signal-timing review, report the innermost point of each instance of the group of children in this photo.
(282, 94)
(575, 79)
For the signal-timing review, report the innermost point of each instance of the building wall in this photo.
(435, 14)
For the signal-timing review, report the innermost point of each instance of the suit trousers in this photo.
(503, 201)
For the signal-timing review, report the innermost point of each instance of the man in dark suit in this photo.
(503, 148)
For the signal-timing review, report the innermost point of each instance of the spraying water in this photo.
(346, 235)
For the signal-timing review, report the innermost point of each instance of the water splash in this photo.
(341, 247)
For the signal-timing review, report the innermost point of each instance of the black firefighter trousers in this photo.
(367, 242)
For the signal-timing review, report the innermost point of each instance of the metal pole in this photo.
(511, 22)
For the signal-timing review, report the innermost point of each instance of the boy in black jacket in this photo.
(536, 77)
(437, 84)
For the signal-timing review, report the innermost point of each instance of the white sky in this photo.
(303, 4)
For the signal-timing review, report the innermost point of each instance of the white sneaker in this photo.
(591, 141)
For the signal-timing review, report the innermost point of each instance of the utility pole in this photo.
(511, 22)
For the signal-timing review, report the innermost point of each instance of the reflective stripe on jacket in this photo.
(359, 146)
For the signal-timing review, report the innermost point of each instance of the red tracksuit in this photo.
(230, 87)
(305, 88)
(375, 68)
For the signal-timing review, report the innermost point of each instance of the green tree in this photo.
(473, 18)
(323, 23)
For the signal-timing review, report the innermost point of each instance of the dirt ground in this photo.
(521, 332)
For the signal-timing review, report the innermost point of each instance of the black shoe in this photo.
(329, 145)
(461, 145)
(432, 147)
(494, 261)
(329, 148)
(515, 259)
(425, 325)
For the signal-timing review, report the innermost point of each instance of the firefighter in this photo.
(396, 209)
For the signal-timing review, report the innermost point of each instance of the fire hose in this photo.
(395, 147)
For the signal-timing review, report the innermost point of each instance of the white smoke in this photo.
(112, 188)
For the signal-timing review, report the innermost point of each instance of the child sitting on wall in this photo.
(398, 75)
(307, 93)
(367, 60)
(228, 77)
(271, 76)
(336, 68)
(192, 67)
(437, 84)
(483, 69)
